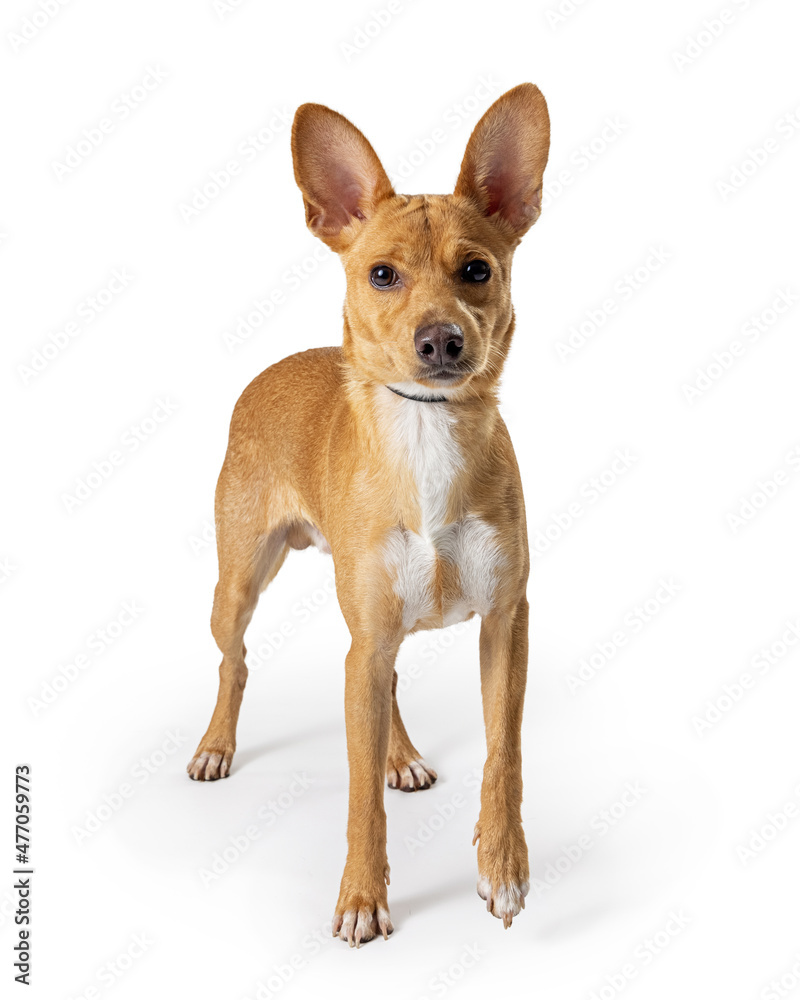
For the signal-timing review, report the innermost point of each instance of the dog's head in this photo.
(428, 306)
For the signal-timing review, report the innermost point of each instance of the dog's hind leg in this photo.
(405, 768)
(248, 562)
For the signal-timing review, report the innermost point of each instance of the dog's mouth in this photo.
(442, 374)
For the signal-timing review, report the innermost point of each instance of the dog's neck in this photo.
(435, 443)
(419, 399)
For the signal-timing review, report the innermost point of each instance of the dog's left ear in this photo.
(505, 159)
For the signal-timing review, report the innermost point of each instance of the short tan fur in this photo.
(418, 499)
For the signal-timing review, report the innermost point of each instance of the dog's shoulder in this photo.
(318, 369)
(297, 390)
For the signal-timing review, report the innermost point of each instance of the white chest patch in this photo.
(423, 436)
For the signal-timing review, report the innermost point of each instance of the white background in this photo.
(671, 109)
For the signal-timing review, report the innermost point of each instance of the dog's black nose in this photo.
(439, 344)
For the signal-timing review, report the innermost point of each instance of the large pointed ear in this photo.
(341, 178)
(506, 156)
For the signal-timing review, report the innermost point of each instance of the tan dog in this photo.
(390, 453)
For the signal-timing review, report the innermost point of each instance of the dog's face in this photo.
(428, 307)
(428, 301)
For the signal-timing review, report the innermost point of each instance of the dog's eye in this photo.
(382, 277)
(476, 270)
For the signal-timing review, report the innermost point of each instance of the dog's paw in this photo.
(411, 776)
(502, 869)
(503, 900)
(361, 916)
(208, 765)
(359, 925)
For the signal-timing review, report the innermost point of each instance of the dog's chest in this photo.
(445, 570)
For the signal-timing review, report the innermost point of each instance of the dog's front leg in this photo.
(362, 910)
(502, 851)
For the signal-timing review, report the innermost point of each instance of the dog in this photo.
(389, 453)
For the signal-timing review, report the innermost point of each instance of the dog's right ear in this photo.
(340, 175)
